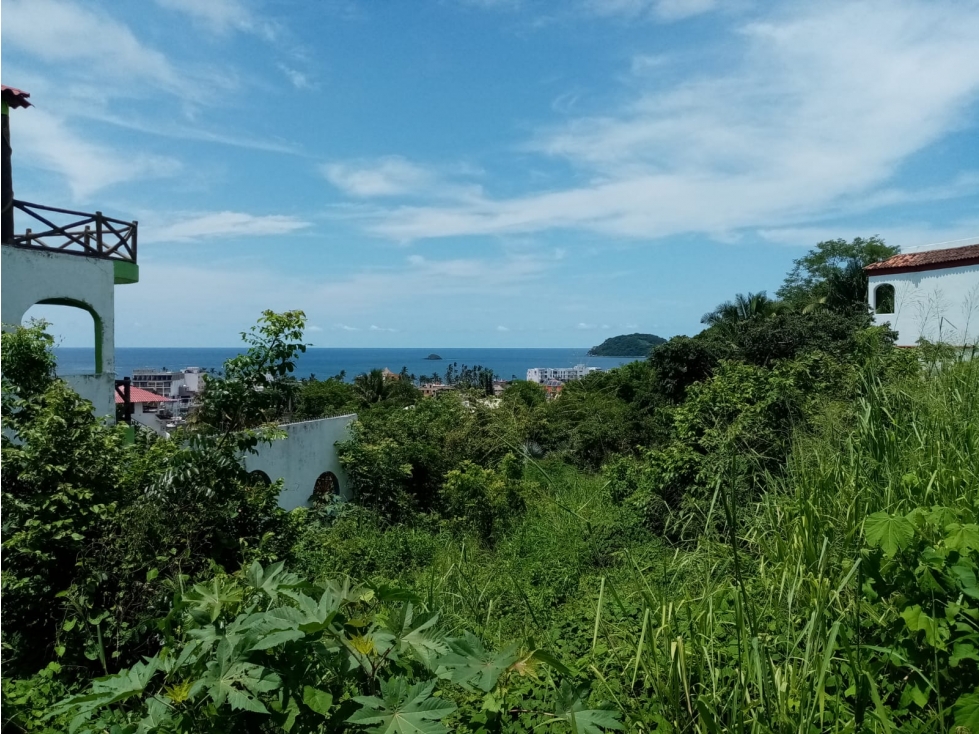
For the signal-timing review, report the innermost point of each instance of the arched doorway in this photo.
(69, 321)
(259, 478)
(326, 487)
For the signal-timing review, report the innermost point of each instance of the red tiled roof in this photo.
(15, 97)
(953, 257)
(139, 395)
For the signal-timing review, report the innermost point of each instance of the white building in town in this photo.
(561, 374)
(148, 409)
(931, 294)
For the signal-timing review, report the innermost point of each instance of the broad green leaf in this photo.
(966, 578)
(962, 538)
(207, 601)
(273, 580)
(571, 708)
(415, 632)
(238, 683)
(963, 651)
(318, 615)
(918, 621)
(403, 709)
(127, 683)
(967, 711)
(157, 714)
(891, 533)
(245, 701)
(319, 701)
(276, 638)
(470, 662)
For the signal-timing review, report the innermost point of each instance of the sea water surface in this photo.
(324, 362)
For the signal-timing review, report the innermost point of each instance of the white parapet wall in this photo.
(307, 452)
(99, 390)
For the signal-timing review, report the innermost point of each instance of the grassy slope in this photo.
(757, 622)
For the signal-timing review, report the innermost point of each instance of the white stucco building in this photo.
(562, 374)
(931, 294)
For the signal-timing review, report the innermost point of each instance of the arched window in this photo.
(884, 299)
(260, 478)
(327, 486)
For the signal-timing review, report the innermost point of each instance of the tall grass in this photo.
(761, 629)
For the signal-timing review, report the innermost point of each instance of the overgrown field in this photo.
(770, 527)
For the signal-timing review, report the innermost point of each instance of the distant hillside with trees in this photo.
(626, 345)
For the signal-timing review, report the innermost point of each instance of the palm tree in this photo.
(742, 308)
(371, 387)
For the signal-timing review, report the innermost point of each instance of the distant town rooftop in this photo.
(139, 395)
(909, 262)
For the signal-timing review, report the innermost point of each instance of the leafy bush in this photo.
(265, 648)
(483, 500)
(397, 459)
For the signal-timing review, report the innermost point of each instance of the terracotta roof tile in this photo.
(952, 257)
(139, 395)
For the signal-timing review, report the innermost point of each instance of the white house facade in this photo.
(933, 294)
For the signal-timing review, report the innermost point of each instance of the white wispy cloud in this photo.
(390, 176)
(58, 31)
(374, 327)
(298, 79)
(828, 101)
(502, 328)
(314, 328)
(212, 225)
(346, 327)
(396, 176)
(223, 16)
(665, 10)
(907, 235)
(46, 141)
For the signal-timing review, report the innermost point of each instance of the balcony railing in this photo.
(93, 235)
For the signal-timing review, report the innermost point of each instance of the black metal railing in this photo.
(94, 235)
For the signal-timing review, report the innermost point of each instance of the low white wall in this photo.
(308, 450)
(939, 305)
(98, 390)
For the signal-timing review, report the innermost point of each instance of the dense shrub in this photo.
(483, 500)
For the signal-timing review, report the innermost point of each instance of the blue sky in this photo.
(494, 173)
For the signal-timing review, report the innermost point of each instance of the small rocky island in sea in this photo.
(433, 356)
(627, 345)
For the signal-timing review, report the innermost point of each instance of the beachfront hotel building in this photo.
(542, 375)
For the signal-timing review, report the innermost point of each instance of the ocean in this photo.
(324, 362)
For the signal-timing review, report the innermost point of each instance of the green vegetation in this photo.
(626, 345)
(772, 526)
